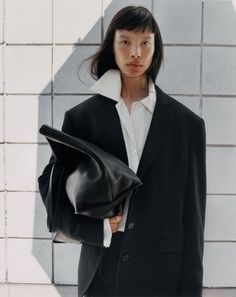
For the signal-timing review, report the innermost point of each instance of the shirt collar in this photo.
(109, 85)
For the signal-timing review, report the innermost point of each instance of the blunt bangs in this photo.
(134, 18)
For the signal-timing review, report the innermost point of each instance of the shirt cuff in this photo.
(107, 232)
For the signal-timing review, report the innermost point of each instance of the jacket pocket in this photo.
(171, 245)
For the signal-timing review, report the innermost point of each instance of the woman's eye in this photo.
(124, 42)
(147, 43)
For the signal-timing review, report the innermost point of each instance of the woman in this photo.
(154, 245)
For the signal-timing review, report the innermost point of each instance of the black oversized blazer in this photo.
(165, 246)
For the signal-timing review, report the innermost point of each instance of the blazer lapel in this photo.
(161, 119)
(113, 136)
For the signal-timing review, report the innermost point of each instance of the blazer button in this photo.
(131, 225)
(125, 258)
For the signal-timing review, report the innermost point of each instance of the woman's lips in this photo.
(135, 64)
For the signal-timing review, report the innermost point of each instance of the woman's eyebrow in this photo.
(126, 36)
(123, 36)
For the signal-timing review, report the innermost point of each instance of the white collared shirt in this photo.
(135, 126)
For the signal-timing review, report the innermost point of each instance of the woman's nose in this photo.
(135, 52)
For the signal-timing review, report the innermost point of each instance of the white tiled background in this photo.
(41, 46)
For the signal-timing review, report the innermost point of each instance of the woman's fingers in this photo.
(114, 222)
(115, 219)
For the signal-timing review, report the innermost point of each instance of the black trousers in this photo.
(104, 281)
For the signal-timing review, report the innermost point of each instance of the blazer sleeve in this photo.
(194, 217)
(91, 229)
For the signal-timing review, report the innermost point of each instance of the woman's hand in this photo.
(114, 221)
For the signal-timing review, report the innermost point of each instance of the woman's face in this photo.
(133, 51)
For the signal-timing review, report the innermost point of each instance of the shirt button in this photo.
(125, 258)
(131, 225)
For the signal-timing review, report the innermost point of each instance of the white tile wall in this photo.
(219, 264)
(1, 118)
(220, 218)
(111, 7)
(219, 114)
(1, 69)
(27, 113)
(219, 70)
(221, 170)
(176, 14)
(2, 167)
(38, 14)
(31, 61)
(180, 73)
(29, 261)
(16, 290)
(78, 12)
(2, 215)
(28, 69)
(67, 68)
(24, 163)
(219, 22)
(63, 103)
(219, 292)
(26, 215)
(2, 261)
(192, 103)
(66, 258)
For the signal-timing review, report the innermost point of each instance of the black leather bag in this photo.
(94, 181)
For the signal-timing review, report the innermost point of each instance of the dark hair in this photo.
(129, 18)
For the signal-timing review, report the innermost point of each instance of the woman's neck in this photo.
(134, 88)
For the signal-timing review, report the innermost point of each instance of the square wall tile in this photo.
(180, 73)
(28, 21)
(29, 290)
(63, 103)
(220, 218)
(219, 264)
(219, 22)
(2, 175)
(111, 7)
(69, 77)
(2, 261)
(219, 114)
(1, 119)
(4, 290)
(34, 111)
(24, 164)
(1, 21)
(80, 23)
(219, 292)
(66, 261)
(182, 15)
(193, 103)
(30, 221)
(221, 170)
(219, 71)
(28, 69)
(2, 215)
(1, 69)
(29, 261)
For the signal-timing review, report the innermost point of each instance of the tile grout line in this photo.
(201, 59)
(52, 118)
(4, 146)
(97, 44)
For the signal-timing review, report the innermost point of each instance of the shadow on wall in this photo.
(59, 262)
